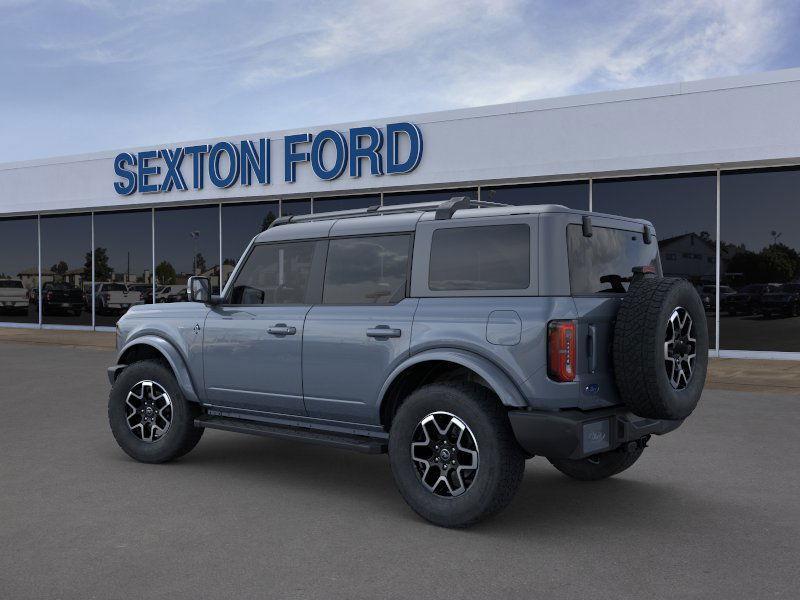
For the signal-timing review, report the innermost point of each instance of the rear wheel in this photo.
(149, 417)
(453, 455)
(599, 466)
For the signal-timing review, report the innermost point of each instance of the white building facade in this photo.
(714, 164)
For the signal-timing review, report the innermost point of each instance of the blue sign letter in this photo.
(213, 164)
(317, 148)
(145, 171)
(372, 151)
(173, 176)
(125, 189)
(290, 157)
(393, 131)
(253, 161)
(197, 152)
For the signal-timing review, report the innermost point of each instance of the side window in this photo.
(275, 274)
(487, 257)
(367, 270)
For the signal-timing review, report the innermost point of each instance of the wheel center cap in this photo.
(149, 411)
(444, 454)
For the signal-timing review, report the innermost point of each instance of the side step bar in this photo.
(348, 442)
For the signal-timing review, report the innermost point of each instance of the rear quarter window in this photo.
(486, 257)
(604, 262)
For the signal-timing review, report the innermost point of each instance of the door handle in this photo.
(383, 331)
(282, 329)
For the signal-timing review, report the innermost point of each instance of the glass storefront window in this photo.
(295, 207)
(66, 269)
(322, 205)
(683, 209)
(572, 194)
(123, 263)
(240, 224)
(434, 196)
(760, 260)
(187, 243)
(19, 270)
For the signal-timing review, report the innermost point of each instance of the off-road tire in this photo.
(599, 466)
(501, 462)
(639, 347)
(181, 436)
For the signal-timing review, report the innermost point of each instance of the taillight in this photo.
(561, 350)
(106, 296)
(49, 296)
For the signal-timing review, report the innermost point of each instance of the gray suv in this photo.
(460, 337)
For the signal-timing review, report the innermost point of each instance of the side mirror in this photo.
(199, 289)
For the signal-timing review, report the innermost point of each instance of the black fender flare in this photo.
(170, 354)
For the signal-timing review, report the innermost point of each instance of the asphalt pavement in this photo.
(710, 511)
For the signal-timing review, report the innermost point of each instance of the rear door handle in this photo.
(383, 331)
(282, 329)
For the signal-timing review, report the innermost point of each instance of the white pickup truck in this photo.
(13, 296)
(115, 297)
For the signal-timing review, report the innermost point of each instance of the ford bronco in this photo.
(460, 337)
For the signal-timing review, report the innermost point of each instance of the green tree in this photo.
(60, 268)
(199, 263)
(268, 220)
(102, 270)
(780, 263)
(165, 273)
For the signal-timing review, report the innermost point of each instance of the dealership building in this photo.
(714, 164)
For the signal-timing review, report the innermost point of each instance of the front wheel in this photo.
(453, 454)
(600, 466)
(149, 417)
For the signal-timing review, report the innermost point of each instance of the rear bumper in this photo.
(577, 434)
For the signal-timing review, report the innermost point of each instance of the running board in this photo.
(348, 442)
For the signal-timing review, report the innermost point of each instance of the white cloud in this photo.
(195, 68)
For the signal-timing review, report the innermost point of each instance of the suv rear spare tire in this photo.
(660, 348)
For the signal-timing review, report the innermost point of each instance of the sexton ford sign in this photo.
(225, 164)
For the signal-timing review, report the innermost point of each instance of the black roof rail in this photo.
(444, 210)
(281, 221)
(447, 209)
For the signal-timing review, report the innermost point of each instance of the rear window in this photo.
(10, 284)
(604, 262)
(490, 257)
(115, 287)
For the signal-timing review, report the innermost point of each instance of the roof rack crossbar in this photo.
(444, 210)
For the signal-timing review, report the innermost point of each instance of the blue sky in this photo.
(85, 75)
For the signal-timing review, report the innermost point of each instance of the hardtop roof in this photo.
(406, 217)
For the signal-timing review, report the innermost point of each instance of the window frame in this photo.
(314, 289)
(409, 261)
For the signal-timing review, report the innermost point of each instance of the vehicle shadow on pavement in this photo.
(547, 503)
